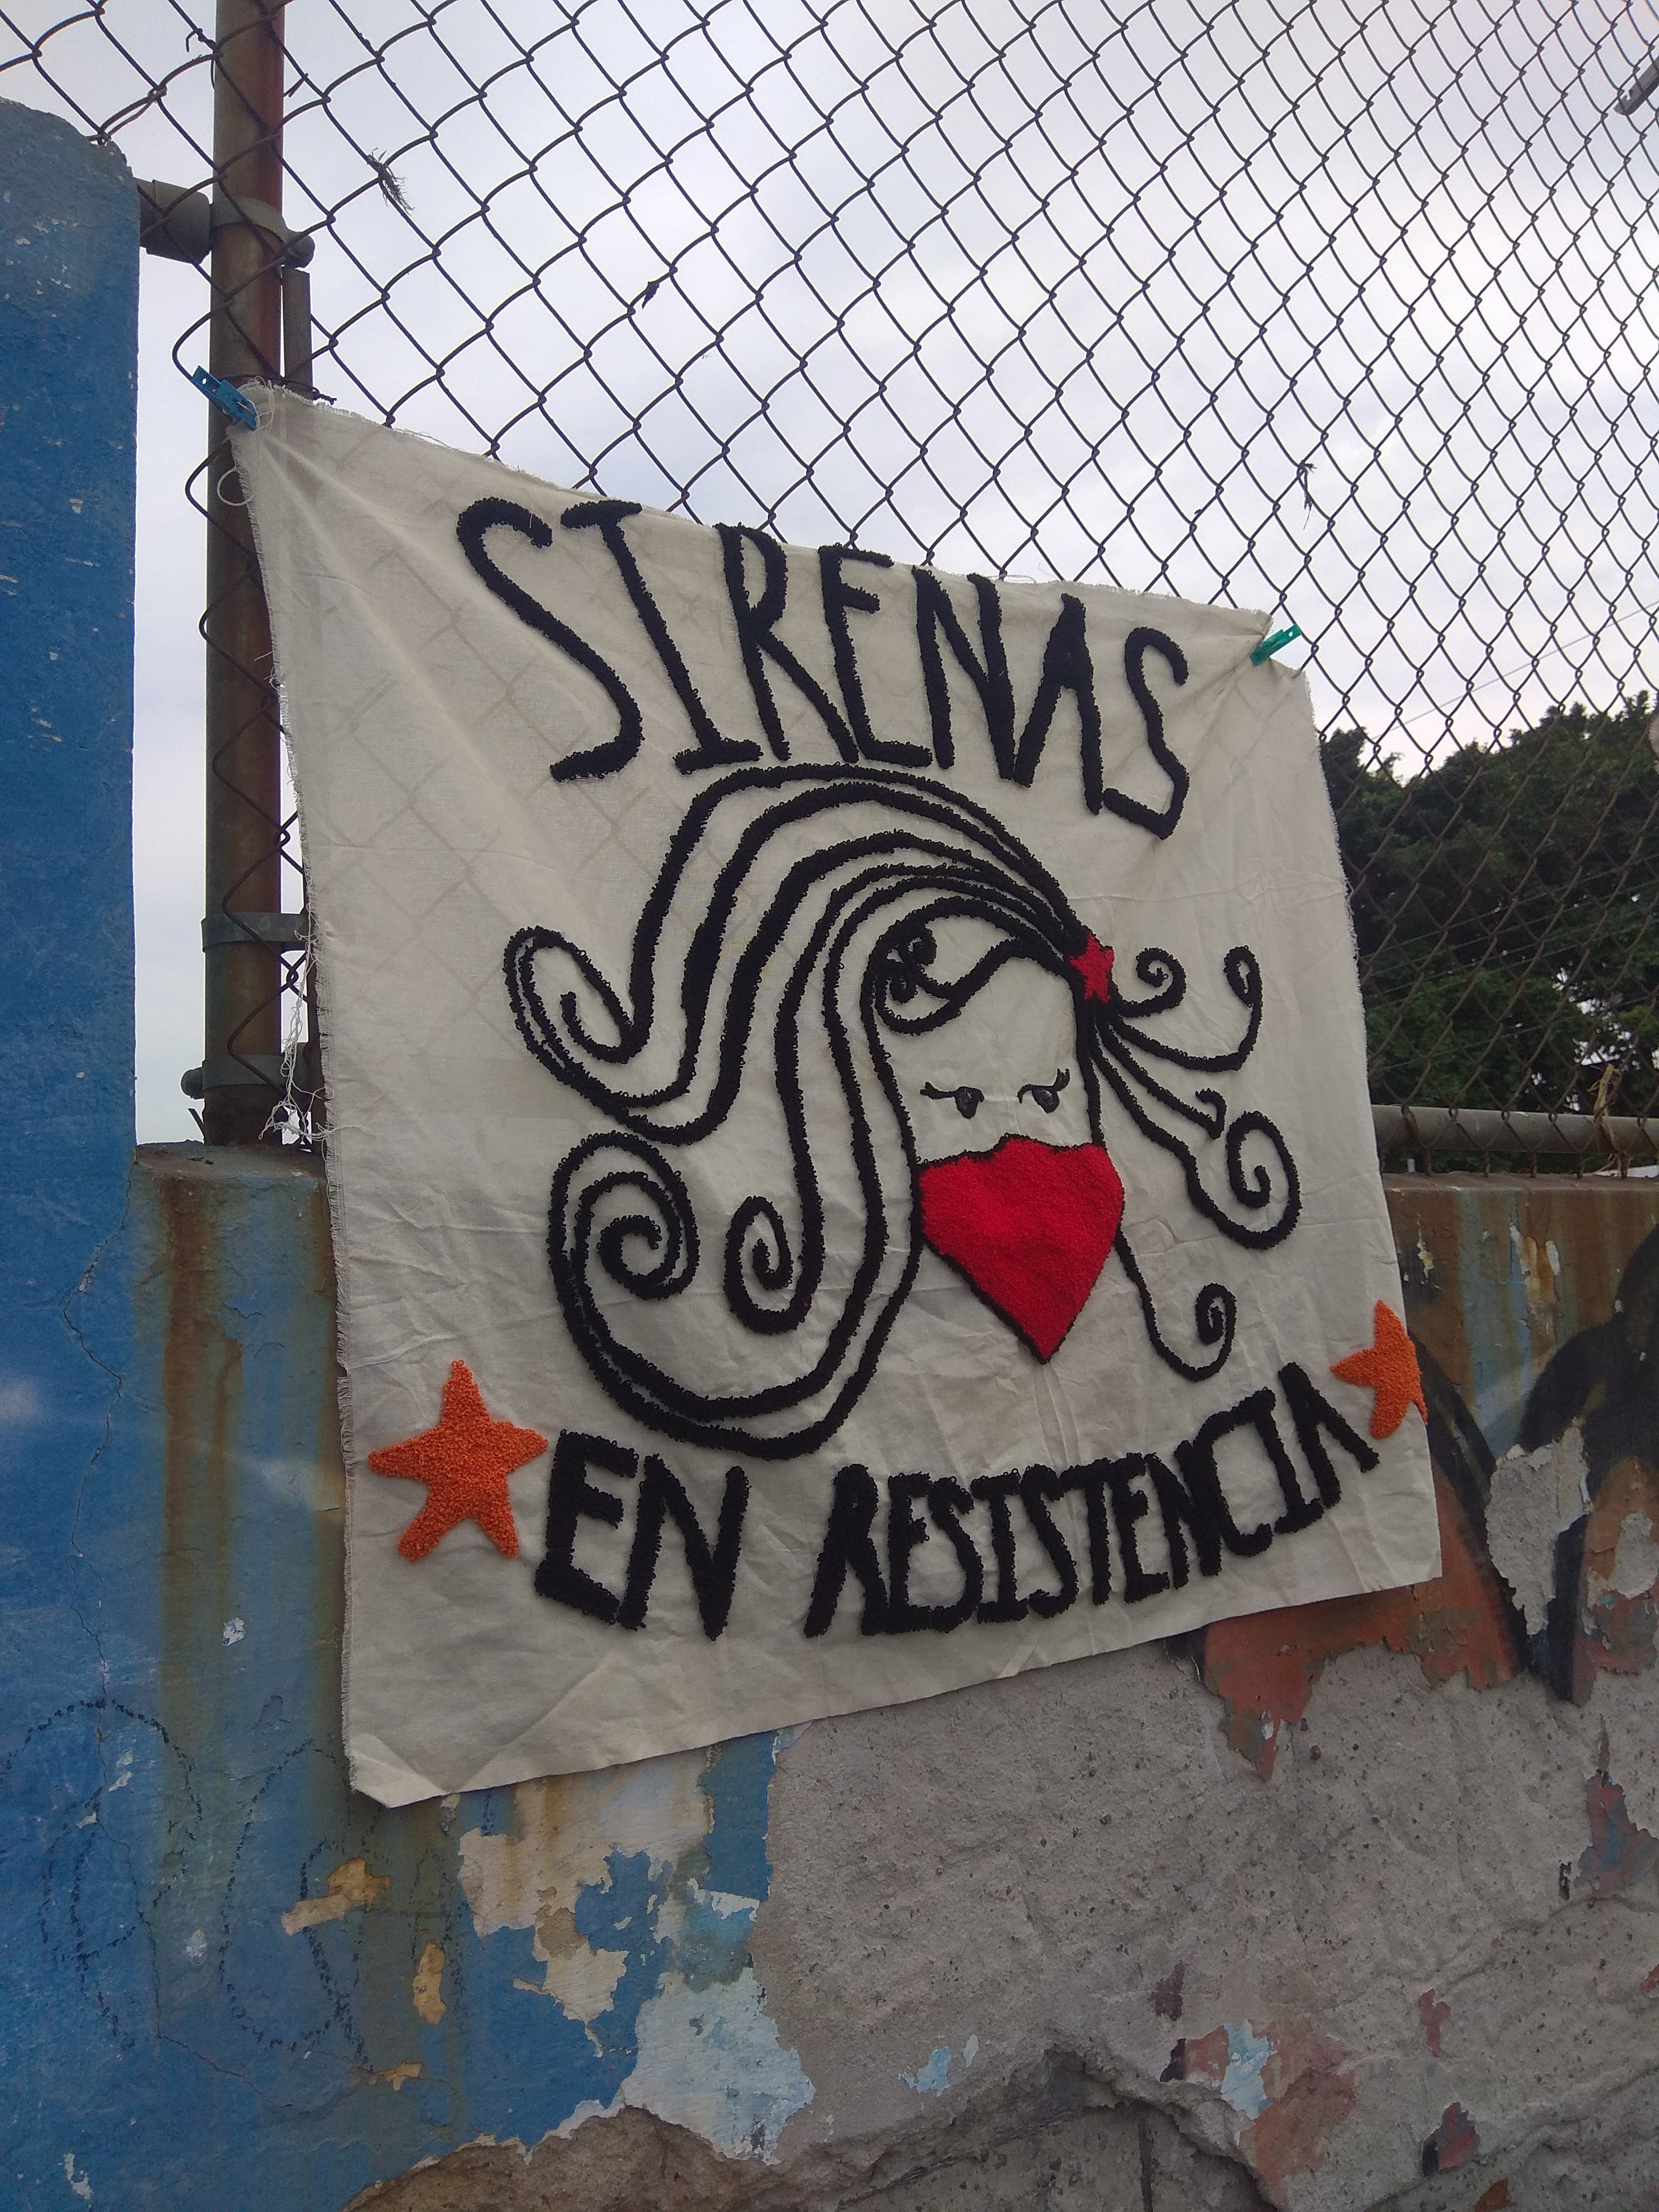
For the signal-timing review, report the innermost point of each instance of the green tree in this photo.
(1506, 907)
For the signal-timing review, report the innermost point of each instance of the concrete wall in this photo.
(1352, 1905)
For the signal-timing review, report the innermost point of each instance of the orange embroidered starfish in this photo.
(464, 1462)
(1387, 1366)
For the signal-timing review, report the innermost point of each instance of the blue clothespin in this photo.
(226, 397)
(1268, 646)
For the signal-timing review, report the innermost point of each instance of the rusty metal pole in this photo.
(240, 1074)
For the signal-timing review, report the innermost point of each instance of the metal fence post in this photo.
(242, 1065)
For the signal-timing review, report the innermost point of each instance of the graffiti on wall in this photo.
(1550, 1554)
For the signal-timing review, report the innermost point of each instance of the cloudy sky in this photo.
(1335, 310)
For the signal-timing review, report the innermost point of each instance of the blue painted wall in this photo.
(69, 301)
(172, 1796)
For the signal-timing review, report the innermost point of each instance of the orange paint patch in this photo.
(1286, 2080)
(1311, 2096)
(464, 1462)
(1264, 1666)
(1205, 2057)
(1495, 2198)
(1453, 2143)
(1389, 1368)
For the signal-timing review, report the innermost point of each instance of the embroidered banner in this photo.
(847, 1136)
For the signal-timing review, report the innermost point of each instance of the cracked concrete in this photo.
(1053, 2139)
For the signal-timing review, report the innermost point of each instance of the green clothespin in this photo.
(1269, 646)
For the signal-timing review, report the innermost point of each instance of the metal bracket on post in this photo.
(180, 224)
(277, 933)
(263, 1070)
(173, 221)
(298, 245)
(254, 1071)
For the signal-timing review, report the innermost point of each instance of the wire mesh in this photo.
(1338, 309)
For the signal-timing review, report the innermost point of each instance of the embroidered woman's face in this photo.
(1006, 1066)
(1012, 1189)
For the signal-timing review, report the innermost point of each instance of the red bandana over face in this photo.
(1030, 1224)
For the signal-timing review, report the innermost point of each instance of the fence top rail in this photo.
(1473, 1129)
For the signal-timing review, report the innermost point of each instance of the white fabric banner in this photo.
(847, 1135)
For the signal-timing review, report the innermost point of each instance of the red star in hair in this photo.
(1094, 964)
(464, 1462)
(1388, 1367)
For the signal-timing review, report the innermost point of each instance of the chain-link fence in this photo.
(1335, 309)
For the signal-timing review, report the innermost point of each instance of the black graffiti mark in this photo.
(69, 1859)
(336, 2007)
(1606, 1379)
(164, 1869)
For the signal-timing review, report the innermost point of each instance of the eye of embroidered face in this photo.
(1047, 1095)
(968, 1100)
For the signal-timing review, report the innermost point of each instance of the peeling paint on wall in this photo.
(348, 1886)
(427, 1989)
(1535, 1495)
(1453, 2143)
(1619, 1853)
(1264, 1666)
(596, 1933)
(617, 1879)
(1549, 1556)
(933, 2078)
(1287, 2083)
